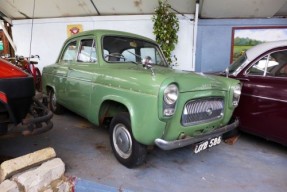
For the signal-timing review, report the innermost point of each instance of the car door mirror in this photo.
(227, 72)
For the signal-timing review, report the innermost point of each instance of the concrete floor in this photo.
(251, 164)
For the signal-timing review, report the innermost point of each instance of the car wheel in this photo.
(126, 149)
(53, 105)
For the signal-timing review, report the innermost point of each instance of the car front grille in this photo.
(202, 111)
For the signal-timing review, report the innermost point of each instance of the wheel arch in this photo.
(145, 125)
(49, 88)
(111, 106)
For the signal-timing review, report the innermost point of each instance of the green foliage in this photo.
(165, 28)
(238, 41)
(239, 50)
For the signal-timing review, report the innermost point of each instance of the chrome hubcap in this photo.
(122, 141)
(54, 101)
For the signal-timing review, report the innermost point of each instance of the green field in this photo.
(239, 50)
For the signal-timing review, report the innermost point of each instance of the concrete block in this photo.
(12, 166)
(64, 187)
(48, 190)
(9, 186)
(60, 185)
(36, 179)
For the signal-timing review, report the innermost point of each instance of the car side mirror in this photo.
(227, 72)
(147, 61)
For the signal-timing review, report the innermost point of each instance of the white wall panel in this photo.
(49, 34)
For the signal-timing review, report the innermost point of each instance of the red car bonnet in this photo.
(8, 70)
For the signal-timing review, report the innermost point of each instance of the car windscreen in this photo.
(237, 63)
(119, 49)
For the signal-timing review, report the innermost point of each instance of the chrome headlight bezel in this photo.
(236, 95)
(170, 97)
(170, 94)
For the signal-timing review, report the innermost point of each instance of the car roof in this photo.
(259, 49)
(109, 32)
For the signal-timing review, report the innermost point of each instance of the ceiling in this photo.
(23, 9)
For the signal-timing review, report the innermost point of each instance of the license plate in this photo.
(207, 144)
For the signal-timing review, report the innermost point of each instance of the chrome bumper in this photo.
(168, 145)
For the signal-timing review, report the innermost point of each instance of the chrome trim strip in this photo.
(86, 80)
(267, 98)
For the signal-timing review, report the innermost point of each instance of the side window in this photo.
(129, 55)
(264, 67)
(272, 65)
(282, 72)
(87, 51)
(279, 70)
(70, 52)
(148, 52)
(152, 53)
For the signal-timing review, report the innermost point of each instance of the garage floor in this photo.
(251, 164)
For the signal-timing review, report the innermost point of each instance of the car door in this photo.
(81, 74)
(67, 59)
(263, 104)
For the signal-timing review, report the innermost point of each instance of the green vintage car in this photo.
(123, 80)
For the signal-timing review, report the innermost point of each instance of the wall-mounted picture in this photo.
(244, 38)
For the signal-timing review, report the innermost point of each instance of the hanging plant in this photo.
(165, 28)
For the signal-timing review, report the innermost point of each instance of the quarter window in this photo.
(70, 52)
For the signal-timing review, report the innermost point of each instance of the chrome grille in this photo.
(202, 111)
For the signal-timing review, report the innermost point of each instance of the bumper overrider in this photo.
(168, 145)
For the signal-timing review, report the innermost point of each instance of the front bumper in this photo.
(168, 145)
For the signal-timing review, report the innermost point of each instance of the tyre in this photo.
(53, 105)
(126, 149)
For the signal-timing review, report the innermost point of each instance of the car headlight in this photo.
(170, 96)
(236, 95)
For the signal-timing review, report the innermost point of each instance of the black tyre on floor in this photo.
(126, 149)
(53, 105)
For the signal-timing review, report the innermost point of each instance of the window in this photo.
(237, 65)
(1, 45)
(87, 51)
(272, 64)
(70, 52)
(279, 70)
(152, 53)
(259, 67)
(129, 54)
(125, 49)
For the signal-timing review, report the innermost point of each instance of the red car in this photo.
(18, 104)
(262, 109)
